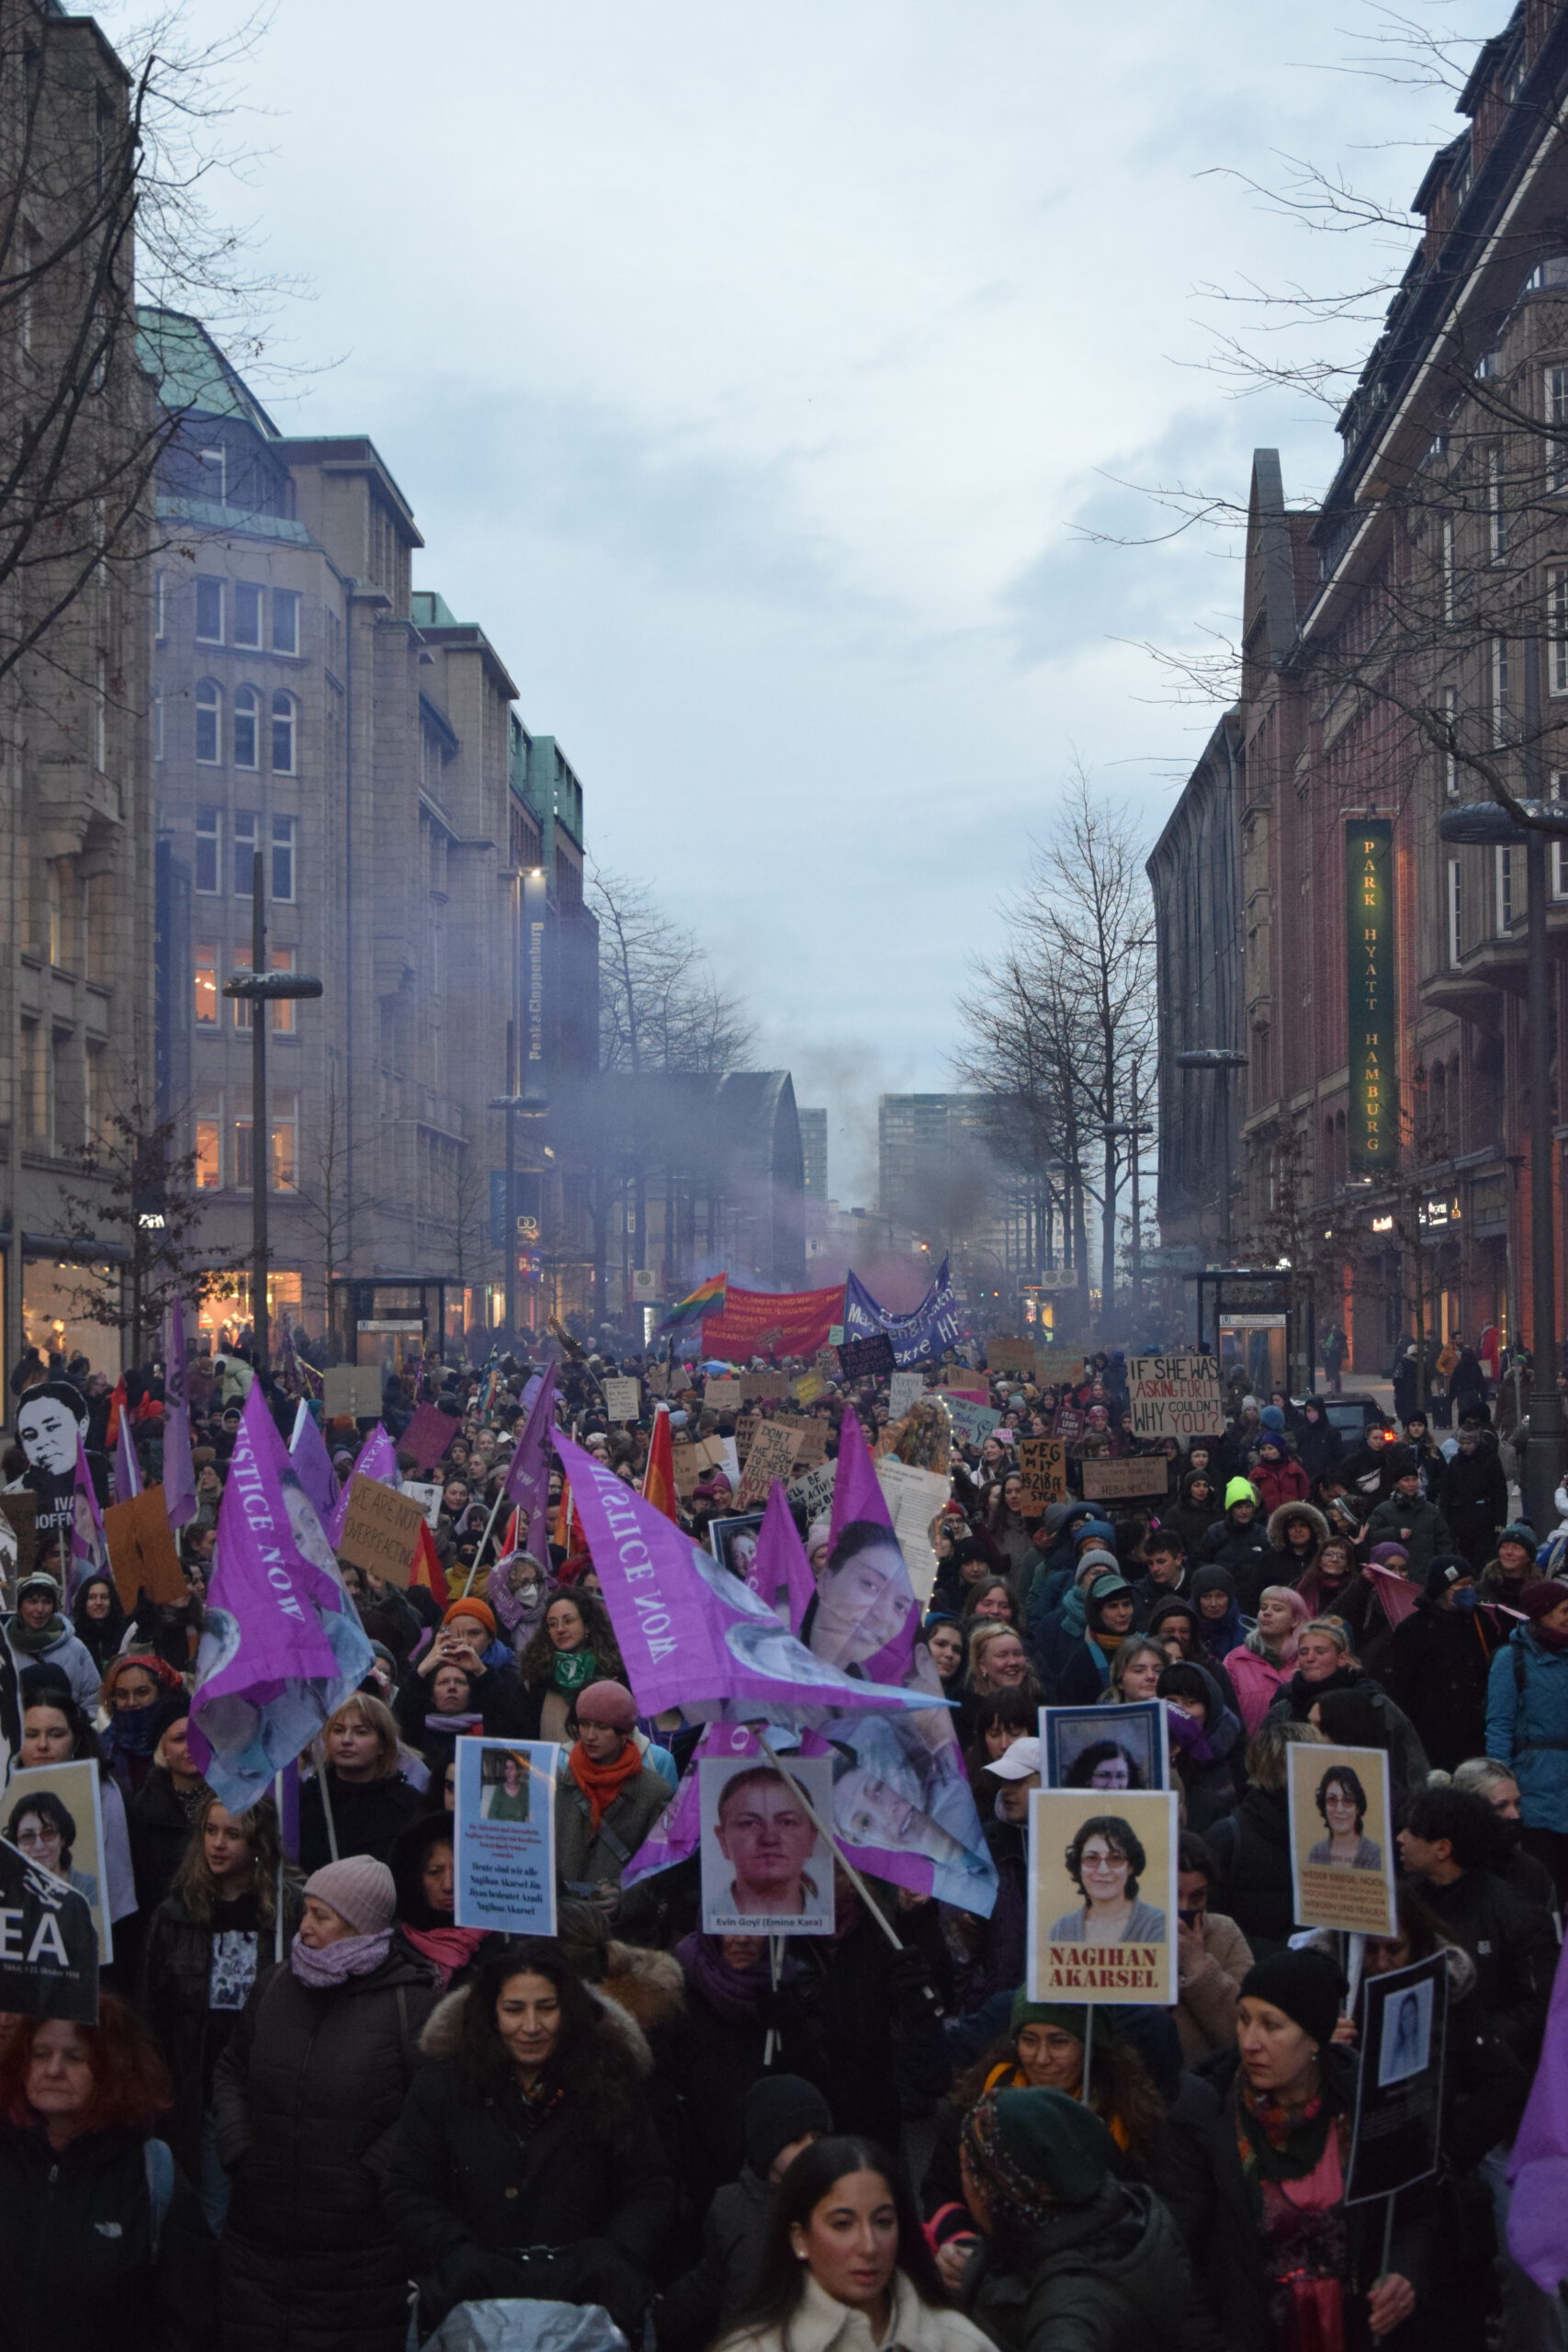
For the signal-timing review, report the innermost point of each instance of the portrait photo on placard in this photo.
(766, 1867)
(504, 1835)
(1341, 1836)
(53, 1814)
(1101, 1895)
(1105, 1747)
(1406, 2041)
(733, 1541)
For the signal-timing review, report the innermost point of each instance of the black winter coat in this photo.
(158, 1825)
(176, 1984)
(1435, 1667)
(1472, 1496)
(1515, 1952)
(367, 1815)
(488, 2198)
(1109, 2276)
(77, 2257)
(1252, 1848)
(690, 2314)
(308, 2096)
(704, 2067)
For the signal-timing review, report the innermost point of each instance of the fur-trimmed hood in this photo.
(1309, 1511)
(642, 1988)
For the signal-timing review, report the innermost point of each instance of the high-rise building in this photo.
(813, 1146)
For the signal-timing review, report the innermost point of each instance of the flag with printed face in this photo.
(866, 1614)
(282, 1646)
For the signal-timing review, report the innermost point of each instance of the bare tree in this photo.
(661, 1007)
(468, 1218)
(329, 1203)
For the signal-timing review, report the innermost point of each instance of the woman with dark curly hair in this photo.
(525, 2164)
(573, 1648)
(1104, 1764)
(1342, 1801)
(1105, 1861)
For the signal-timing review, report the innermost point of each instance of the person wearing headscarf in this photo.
(1110, 1608)
(1221, 1626)
(39, 1636)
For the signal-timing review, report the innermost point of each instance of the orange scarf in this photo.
(603, 1783)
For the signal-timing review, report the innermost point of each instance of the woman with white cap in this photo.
(312, 2079)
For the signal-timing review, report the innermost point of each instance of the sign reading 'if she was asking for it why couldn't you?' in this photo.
(1372, 1135)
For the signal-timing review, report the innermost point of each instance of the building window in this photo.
(208, 608)
(1455, 910)
(101, 714)
(1499, 691)
(247, 613)
(1557, 629)
(1505, 858)
(203, 967)
(240, 1162)
(158, 724)
(1451, 755)
(208, 1144)
(247, 726)
(208, 721)
(159, 605)
(286, 620)
(245, 823)
(285, 732)
(214, 464)
(1446, 558)
(283, 860)
(285, 1172)
(1497, 513)
(209, 849)
(1558, 791)
(1557, 414)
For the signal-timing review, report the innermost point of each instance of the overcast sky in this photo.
(752, 375)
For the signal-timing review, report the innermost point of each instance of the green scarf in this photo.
(33, 1640)
(573, 1670)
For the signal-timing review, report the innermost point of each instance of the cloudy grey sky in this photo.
(753, 374)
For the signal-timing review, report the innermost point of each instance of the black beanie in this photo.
(1306, 1984)
(777, 2110)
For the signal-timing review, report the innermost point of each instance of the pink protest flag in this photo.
(529, 1478)
(866, 1614)
(1398, 1595)
(691, 1633)
(313, 1464)
(127, 1469)
(179, 1472)
(780, 1572)
(1539, 2165)
(280, 1648)
(89, 1544)
(377, 1460)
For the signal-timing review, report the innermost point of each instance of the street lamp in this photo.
(1134, 1130)
(1486, 824)
(1221, 1061)
(259, 989)
(514, 1107)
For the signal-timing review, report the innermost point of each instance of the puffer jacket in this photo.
(78, 2256)
(1526, 1725)
(1252, 1849)
(176, 2001)
(1256, 1682)
(307, 2098)
(1111, 2275)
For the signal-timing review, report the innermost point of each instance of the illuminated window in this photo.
(204, 966)
(285, 1168)
(279, 960)
(209, 1145)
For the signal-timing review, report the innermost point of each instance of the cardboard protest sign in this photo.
(811, 1440)
(142, 1549)
(722, 1395)
(1173, 1397)
(1102, 1896)
(746, 1429)
(1010, 1355)
(1106, 1748)
(1054, 1366)
(427, 1495)
(1342, 1851)
(811, 1384)
(914, 1497)
(907, 1388)
(429, 1433)
(683, 1461)
(971, 1423)
(1145, 1474)
(622, 1399)
(53, 1814)
(505, 1825)
(1042, 1466)
(656, 1379)
(19, 1534)
(765, 1387)
(765, 1865)
(1397, 2136)
(380, 1530)
(48, 1953)
(351, 1388)
(826, 1359)
(814, 1493)
(772, 1456)
(869, 1359)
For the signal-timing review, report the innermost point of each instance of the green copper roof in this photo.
(192, 374)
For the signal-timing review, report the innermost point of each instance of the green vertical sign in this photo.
(1372, 1129)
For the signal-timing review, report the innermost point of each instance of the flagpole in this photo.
(824, 1830)
(278, 1923)
(321, 1770)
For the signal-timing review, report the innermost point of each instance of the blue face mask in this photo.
(1467, 1598)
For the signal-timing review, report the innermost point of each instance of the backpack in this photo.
(158, 2158)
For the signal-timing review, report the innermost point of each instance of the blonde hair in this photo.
(376, 1716)
(981, 1636)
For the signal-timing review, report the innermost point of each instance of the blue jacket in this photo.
(1527, 1729)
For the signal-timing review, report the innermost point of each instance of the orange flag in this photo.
(568, 1530)
(658, 1474)
(427, 1570)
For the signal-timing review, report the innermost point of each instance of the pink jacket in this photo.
(1281, 1482)
(1256, 1685)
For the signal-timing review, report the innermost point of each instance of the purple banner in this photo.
(780, 1573)
(89, 1545)
(529, 1478)
(127, 1469)
(1539, 2165)
(866, 1614)
(377, 1460)
(312, 1463)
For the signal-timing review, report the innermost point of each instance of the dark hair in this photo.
(977, 1592)
(588, 2061)
(1349, 1781)
(1012, 1710)
(1080, 1772)
(1195, 1853)
(51, 1809)
(1464, 1818)
(410, 1851)
(536, 1661)
(1164, 1539)
(779, 2280)
(1182, 1679)
(130, 2088)
(1120, 2088)
(43, 1692)
(1119, 1835)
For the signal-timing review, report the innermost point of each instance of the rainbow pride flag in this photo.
(706, 1299)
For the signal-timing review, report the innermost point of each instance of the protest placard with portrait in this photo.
(1110, 1748)
(505, 1825)
(766, 1869)
(1102, 1896)
(53, 1814)
(1341, 1838)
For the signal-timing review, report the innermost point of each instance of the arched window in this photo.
(247, 726)
(208, 721)
(284, 725)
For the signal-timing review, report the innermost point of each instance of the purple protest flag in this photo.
(780, 1572)
(528, 1480)
(127, 1469)
(866, 1614)
(280, 1648)
(1538, 2164)
(313, 1464)
(377, 1460)
(89, 1544)
(690, 1632)
(180, 1471)
(677, 1833)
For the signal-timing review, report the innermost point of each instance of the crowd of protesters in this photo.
(316, 2112)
